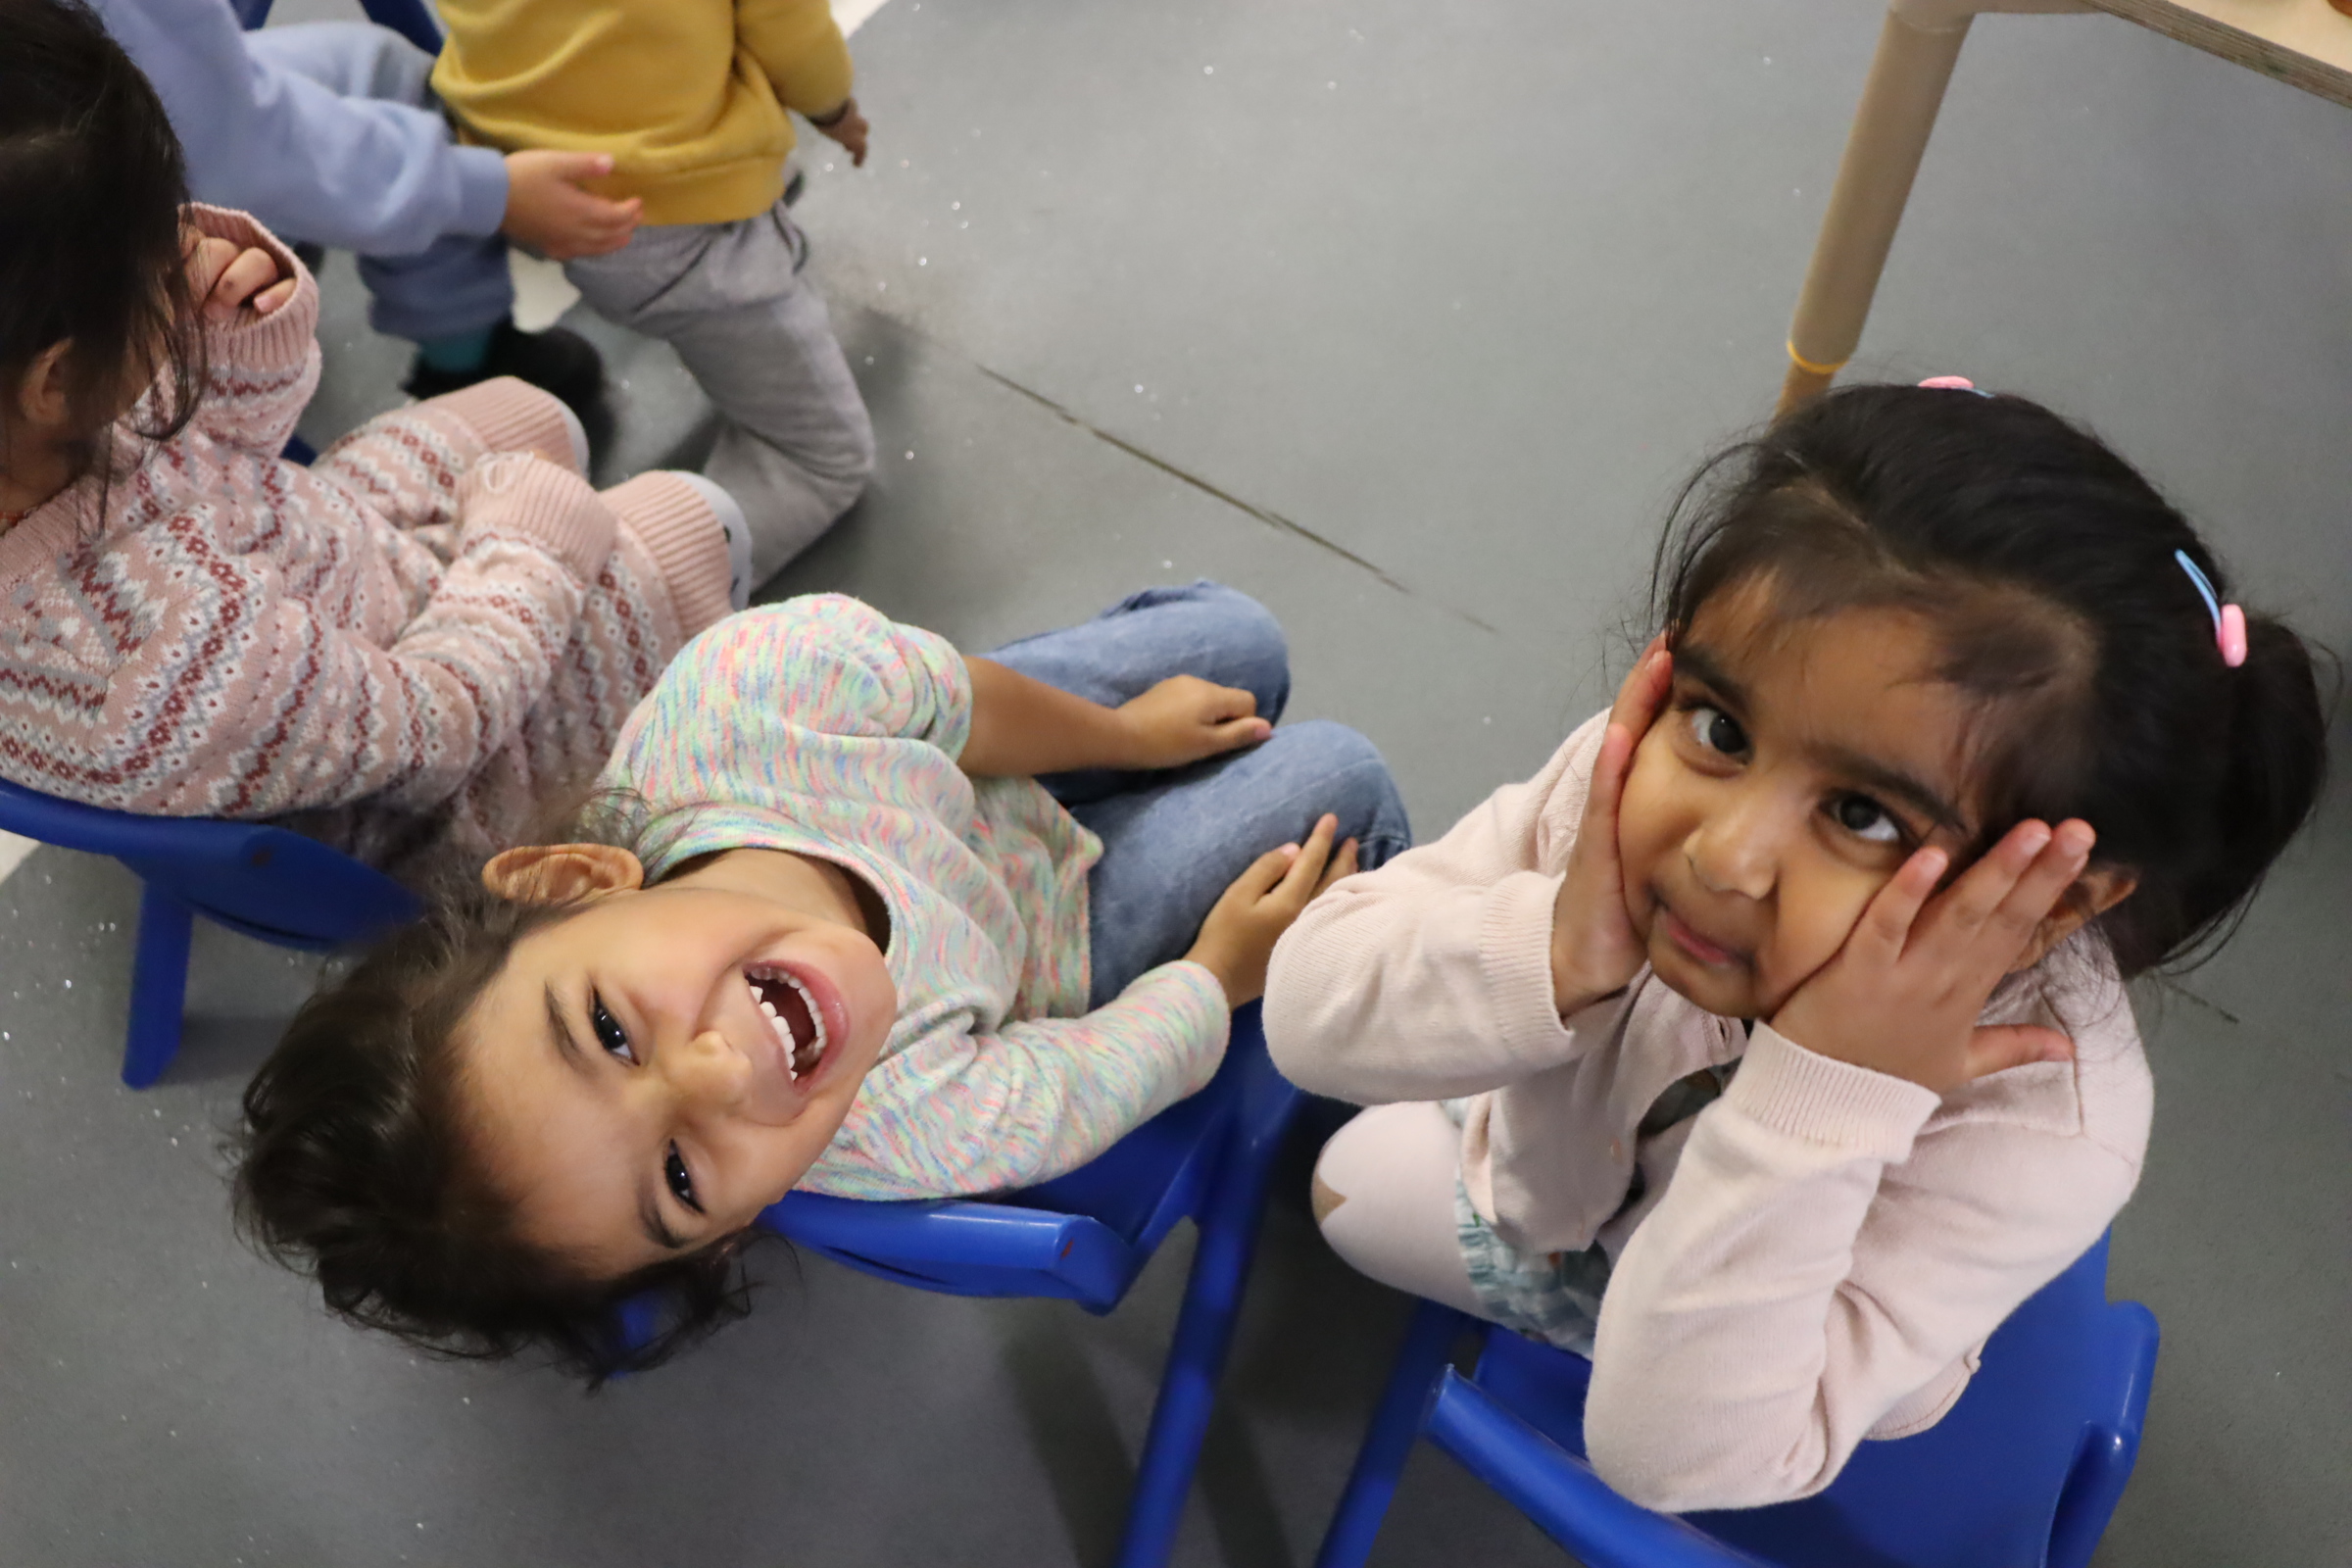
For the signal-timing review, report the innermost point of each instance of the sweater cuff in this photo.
(1790, 1090)
(481, 190)
(510, 416)
(517, 493)
(680, 531)
(1514, 949)
(281, 340)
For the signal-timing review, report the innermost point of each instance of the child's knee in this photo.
(1354, 784)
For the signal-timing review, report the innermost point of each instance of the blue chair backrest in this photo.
(263, 880)
(2024, 1470)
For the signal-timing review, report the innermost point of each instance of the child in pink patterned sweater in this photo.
(402, 648)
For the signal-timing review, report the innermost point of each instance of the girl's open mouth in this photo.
(794, 1007)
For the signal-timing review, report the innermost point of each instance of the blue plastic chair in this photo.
(2024, 1472)
(1086, 1236)
(263, 881)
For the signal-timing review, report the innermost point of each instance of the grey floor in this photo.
(1408, 319)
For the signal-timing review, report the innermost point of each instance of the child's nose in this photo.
(706, 1074)
(1737, 849)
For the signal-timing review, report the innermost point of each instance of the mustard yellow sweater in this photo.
(686, 95)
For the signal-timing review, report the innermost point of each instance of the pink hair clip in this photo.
(1954, 383)
(2229, 621)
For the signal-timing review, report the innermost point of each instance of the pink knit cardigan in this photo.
(409, 646)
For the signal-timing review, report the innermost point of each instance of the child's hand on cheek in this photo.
(1903, 995)
(224, 276)
(1185, 719)
(1595, 949)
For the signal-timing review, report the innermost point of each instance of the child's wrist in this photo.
(828, 122)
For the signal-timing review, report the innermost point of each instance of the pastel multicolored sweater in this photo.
(405, 647)
(819, 728)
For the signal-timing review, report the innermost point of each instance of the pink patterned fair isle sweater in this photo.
(820, 727)
(407, 649)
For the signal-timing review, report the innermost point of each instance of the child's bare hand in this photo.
(224, 276)
(1185, 719)
(1239, 935)
(847, 127)
(549, 210)
(1903, 996)
(1595, 949)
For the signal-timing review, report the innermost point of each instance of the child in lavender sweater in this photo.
(402, 648)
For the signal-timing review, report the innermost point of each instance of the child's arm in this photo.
(800, 47)
(960, 1112)
(299, 711)
(261, 320)
(1816, 1273)
(1500, 951)
(1022, 727)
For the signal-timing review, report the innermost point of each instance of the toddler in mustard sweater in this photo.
(689, 97)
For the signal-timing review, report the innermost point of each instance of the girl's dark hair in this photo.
(91, 186)
(356, 1164)
(2046, 563)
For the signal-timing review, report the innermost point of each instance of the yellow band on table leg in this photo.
(1805, 365)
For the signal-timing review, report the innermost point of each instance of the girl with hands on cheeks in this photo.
(853, 914)
(1770, 1046)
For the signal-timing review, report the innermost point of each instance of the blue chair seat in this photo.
(261, 881)
(1086, 1236)
(2023, 1472)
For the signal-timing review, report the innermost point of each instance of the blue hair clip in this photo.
(2229, 622)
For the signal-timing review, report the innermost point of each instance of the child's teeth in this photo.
(768, 1007)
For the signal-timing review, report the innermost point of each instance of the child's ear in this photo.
(2095, 891)
(42, 395)
(562, 873)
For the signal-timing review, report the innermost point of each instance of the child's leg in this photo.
(1171, 847)
(1206, 630)
(795, 447)
(1383, 1194)
(459, 285)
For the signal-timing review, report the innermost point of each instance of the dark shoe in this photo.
(556, 360)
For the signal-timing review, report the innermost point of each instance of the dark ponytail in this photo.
(2047, 564)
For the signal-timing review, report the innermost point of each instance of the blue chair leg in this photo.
(1429, 1341)
(1188, 1390)
(159, 985)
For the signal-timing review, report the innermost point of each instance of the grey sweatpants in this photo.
(795, 447)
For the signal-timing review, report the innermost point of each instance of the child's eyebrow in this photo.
(1696, 662)
(567, 1046)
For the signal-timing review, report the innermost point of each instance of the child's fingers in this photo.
(269, 300)
(1261, 876)
(247, 271)
(1236, 733)
(1986, 887)
(2009, 929)
(2002, 1047)
(1344, 864)
(1305, 873)
(1886, 925)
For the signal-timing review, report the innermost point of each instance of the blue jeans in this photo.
(1174, 841)
(458, 284)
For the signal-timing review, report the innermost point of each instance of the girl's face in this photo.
(1794, 768)
(646, 1075)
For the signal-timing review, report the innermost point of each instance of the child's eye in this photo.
(1866, 818)
(608, 1032)
(1717, 731)
(681, 1180)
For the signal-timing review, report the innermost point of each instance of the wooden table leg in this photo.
(1899, 102)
